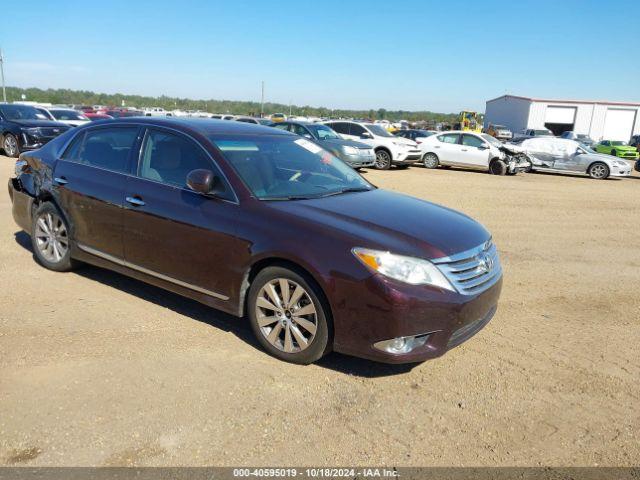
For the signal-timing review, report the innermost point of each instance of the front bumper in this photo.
(617, 171)
(407, 156)
(359, 161)
(628, 155)
(386, 309)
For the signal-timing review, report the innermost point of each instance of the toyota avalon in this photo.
(261, 223)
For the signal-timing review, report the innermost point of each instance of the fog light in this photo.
(402, 345)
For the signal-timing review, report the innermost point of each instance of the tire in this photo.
(430, 160)
(598, 171)
(51, 239)
(383, 160)
(614, 153)
(276, 326)
(498, 167)
(10, 146)
(402, 167)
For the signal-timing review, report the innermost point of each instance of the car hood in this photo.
(40, 123)
(391, 221)
(625, 148)
(405, 141)
(338, 142)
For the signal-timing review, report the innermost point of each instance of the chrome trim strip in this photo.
(124, 263)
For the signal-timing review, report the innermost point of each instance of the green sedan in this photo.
(616, 148)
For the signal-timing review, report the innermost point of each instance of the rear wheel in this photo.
(383, 160)
(10, 146)
(599, 171)
(51, 240)
(614, 153)
(430, 160)
(288, 316)
(498, 167)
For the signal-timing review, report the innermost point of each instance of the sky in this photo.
(442, 56)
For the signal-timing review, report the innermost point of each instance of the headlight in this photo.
(20, 167)
(414, 271)
(350, 150)
(621, 163)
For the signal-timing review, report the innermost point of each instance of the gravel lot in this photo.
(99, 369)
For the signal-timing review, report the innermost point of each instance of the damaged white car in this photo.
(473, 150)
(568, 156)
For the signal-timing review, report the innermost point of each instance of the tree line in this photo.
(85, 97)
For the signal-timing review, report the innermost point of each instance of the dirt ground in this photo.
(99, 369)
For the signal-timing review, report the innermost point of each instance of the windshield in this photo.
(21, 112)
(67, 115)
(492, 140)
(284, 167)
(582, 136)
(587, 149)
(323, 132)
(378, 130)
(618, 143)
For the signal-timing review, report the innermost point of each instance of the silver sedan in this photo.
(568, 156)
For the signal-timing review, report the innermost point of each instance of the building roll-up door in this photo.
(559, 119)
(618, 124)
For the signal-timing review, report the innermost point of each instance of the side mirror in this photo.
(483, 147)
(366, 135)
(204, 181)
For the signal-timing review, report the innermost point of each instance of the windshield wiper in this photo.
(347, 190)
(290, 197)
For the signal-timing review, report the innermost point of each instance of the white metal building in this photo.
(598, 119)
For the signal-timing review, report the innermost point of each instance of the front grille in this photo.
(473, 271)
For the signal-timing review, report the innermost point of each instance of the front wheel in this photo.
(430, 160)
(287, 315)
(599, 171)
(614, 153)
(51, 240)
(10, 146)
(383, 160)
(498, 167)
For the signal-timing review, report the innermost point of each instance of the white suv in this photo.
(390, 150)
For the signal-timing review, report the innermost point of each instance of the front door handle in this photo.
(135, 201)
(61, 180)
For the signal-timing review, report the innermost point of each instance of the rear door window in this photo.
(449, 138)
(340, 127)
(107, 148)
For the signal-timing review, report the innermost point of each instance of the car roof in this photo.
(204, 126)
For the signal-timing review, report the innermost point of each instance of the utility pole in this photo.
(4, 92)
(262, 101)
(289, 107)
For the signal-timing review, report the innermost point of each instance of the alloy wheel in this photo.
(10, 146)
(430, 160)
(286, 315)
(51, 237)
(383, 160)
(599, 171)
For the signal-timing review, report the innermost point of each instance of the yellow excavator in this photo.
(468, 122)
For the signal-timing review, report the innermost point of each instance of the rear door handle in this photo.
(61, 180)
(135, 201)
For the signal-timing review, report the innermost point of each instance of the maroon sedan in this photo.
(256, 221)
